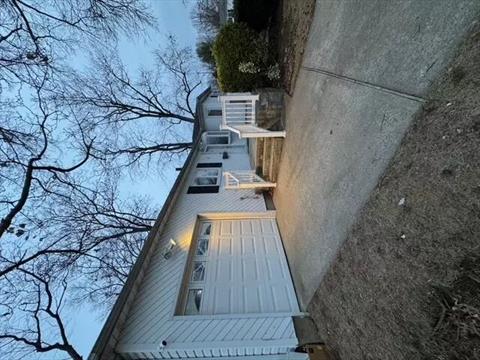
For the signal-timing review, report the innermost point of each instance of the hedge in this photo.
(235, 44)
(255, 13)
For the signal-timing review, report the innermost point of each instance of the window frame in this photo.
(207, 188)
(217, 138)
(203, 240)
(188, 284)
(202, 266)
(199, 170)
(187, 297)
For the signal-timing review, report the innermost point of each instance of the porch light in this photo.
(168, 250)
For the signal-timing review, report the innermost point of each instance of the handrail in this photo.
(238, 109)
(231, 180)
(245, 179)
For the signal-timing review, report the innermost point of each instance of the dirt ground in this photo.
(406, 283)
(293, 21)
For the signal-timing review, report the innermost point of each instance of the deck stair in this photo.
(266, 152)
(266, 159)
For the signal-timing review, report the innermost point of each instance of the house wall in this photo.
(212, 122)
(151, 318)
(105, 345)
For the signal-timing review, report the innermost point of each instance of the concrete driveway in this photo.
(343, 130)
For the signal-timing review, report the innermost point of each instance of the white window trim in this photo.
(189, 283)
(199, 170)
(217, 134)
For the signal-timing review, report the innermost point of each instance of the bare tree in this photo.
(161, 99)
(206, 16)
(36, 323)
(56, 202)
(26, 159)
(86, 236)
(89, 232)
(34, 39)
(62, 217)
(165, 93)
(35, 35)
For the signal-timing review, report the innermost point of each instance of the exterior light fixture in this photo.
(168, 250)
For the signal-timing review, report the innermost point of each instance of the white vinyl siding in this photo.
(151, 318)
(212, 122)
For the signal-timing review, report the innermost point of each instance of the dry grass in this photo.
(381, 297)
(457, 331)
(294, 18)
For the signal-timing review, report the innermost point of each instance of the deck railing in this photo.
(238, 109)
(245, 179)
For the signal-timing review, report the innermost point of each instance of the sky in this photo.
(173, 18)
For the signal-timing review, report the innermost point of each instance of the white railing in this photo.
(238, 109)
(245, 179)
(238, 116)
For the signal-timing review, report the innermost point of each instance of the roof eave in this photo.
(104, 347)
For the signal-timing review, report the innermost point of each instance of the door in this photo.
(243, 270)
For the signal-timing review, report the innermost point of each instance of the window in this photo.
(206, 180)
(202, 247)
(198, 273)
(190, 301)
(214, 112)
(194, 301)
(212, 139)
(218, 140)
(205, 177)
(206, 228)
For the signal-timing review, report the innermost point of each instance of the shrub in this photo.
(204, 52)
(237, 44)
(254, 13)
